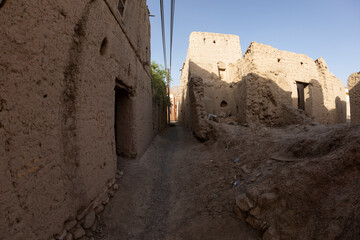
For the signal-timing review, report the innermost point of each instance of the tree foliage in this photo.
(158, 84)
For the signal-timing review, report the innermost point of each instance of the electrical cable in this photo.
(163, 31)
(171, 29)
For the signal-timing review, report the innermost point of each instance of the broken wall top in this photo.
(213, 47)
(273, 63)
(353, 80)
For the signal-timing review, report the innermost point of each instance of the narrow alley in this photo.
(172, 193)
(238, 123)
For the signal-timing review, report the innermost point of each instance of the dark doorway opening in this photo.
(301, 95)
(124, 137)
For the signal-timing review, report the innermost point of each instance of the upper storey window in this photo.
(121, 7)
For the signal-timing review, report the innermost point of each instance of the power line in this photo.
(163, 31)
(171, 28)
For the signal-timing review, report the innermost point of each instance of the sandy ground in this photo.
(248, 182)
(177, 190)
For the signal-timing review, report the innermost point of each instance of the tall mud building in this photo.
(265, 85)
(75, 91)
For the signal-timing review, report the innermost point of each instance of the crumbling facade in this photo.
(74, 92)
(354, 93)
(265, 85)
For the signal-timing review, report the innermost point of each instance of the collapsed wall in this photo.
(60, 64)
(266, 86)
(260, 100)
(323, 95)
(198, 123)
(354, 93)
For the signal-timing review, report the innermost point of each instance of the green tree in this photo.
(158, 84)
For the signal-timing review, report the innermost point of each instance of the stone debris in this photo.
(70, 224)
(255, 212)
(61, 236)
(87, 224)
(290, 198)
(245, 169)
(214, 118)
(119, 174)
(69, 236)
(94, 226)
(255, 177)
(99, 209)
(88, 233)
(270, 234)
(106, 200)
(243, 202)
(89, 219)
(78, 232)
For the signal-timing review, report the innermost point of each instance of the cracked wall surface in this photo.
(59, 63)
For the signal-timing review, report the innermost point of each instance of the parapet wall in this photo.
(354, 93)
(59, 65)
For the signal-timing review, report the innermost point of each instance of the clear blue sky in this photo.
(327, 28)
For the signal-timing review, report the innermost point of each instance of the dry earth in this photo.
(297, 182)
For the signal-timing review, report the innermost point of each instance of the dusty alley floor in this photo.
(173, 192)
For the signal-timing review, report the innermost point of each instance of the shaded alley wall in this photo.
(354, 93)
(60, 64)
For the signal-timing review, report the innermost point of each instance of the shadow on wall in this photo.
(354, 94)
(159, 115)
(255, 99)
(316, 109)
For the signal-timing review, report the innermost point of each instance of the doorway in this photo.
(124, 120)
(301, 95)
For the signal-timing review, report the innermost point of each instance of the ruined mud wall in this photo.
(325, 98)
(212, 57)
(354, 93)
(260, 100)
(214, 54)
(198, 116)
(261, 87)
(58, 65)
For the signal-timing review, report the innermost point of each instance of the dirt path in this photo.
(175, 191)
